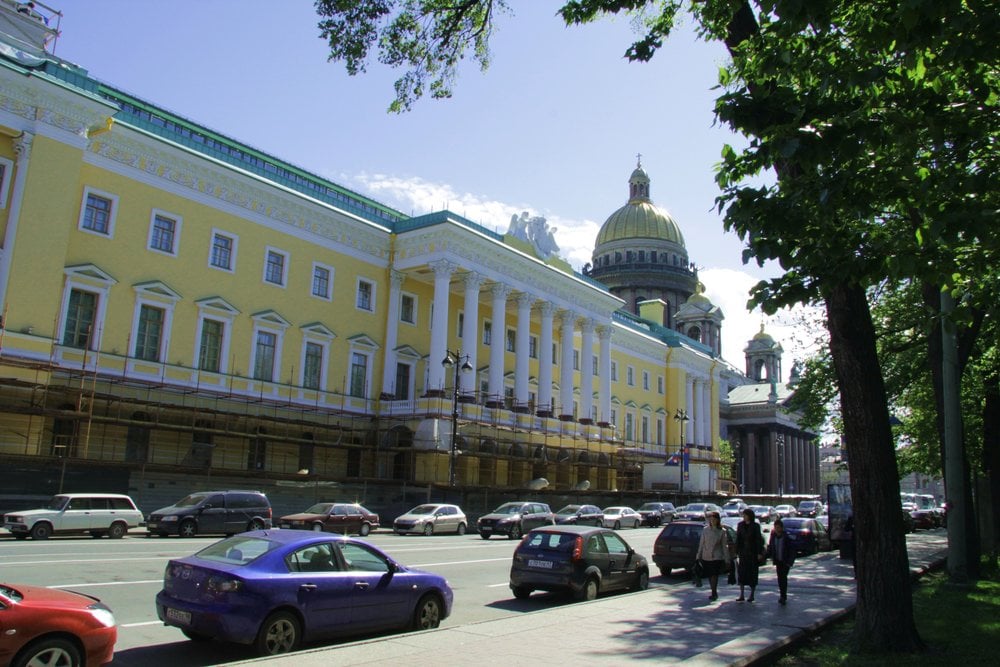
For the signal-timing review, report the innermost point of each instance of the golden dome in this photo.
(639, 218)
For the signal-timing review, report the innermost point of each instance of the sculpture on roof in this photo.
(536, 231)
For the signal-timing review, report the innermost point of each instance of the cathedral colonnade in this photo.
(775, 461)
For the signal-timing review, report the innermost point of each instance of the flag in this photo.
(674, 459)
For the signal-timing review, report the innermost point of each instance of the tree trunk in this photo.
(991, 458)
(884, 615)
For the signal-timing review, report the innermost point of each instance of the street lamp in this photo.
(781, 463)
(681, 416)
(462, 365)
(738, 447)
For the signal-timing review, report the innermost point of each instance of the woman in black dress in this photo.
(750, 551)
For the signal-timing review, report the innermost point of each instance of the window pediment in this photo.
(90, 273)
(158, 290)
(319, 329)
(272, 318)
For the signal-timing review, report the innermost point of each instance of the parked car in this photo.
(621, 517)
(275, 589)
(809, 508)
(580, 515)
(785, 511)
(696, 511)
(514, 519)
(808, 535)
(734, 507)
(677, 544)
(582, 560)
(212, 512)
(343, 518)
(764, 513)
(49, 626)
(656, 514)
(431, 519)
(99, 514)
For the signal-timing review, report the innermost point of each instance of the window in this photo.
(659, 431)
(630, 376)
(359, 375)
(659, 384)
(645, 429)
(274, 267)
(80, 319)
(614, 371)
(487, 332)
(628, 426)
(645, 381)
(533, 347)
(407, 309)
(98, 214)
(312, 368)
(614, 416)
(366, 296)
(164, 230)
(322, 282)
(264, 350)
(555, 353)
(223, 253)
(6, 169)
(210, 349)
(461, 324)
(149, 333)
(511, 340)
(576, 360)
(595, 366)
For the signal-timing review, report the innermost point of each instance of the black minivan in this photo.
(212, 512)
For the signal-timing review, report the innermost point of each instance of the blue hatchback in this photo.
(278, 588)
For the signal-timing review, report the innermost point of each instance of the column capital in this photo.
(587, 325)
(547, 309)
(396, 278)
(22, 145)
(500, 290)
(525, 299)
(567, 317)
(473, 280)
(443, 267)
(605, 331)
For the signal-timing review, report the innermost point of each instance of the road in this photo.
(126, 574)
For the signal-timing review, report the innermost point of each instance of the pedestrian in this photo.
(750, 550)
(782, 552)
(713, 551)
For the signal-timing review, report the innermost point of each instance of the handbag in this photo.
(697, 571)
(732, 576)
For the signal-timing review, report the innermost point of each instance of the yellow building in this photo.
(176, 300)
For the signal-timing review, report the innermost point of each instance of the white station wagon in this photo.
(99, 514)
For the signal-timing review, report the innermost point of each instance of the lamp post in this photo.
(681, 416)
(738, 446)
(462, 365)
(781, 463)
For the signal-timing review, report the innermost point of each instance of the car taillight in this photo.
(268, 514)
(219, 585)
(577, 549)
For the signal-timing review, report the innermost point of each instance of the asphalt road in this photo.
(126, 574)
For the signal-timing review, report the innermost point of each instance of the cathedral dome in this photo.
(639, 218)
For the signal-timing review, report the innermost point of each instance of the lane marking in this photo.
(108, 583)
(136, 625)
(460, 562)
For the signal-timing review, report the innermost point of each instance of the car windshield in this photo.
(57, 503)
(732, 504)
(237, 550)
(192, 500)
(550, 541)
(569, 509)
(319, 508)
(696, 507)
(508, 508)
(423, 509)
(648, 507)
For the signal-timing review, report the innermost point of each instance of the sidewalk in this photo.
(673, 624)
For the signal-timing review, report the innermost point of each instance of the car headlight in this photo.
(169, 517)
(102, 614)
(13, 518)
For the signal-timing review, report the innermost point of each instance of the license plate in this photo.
(544, 564)
(679, 549)
(179, 616)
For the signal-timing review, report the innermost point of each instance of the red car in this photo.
(48, 626)
(344, 518)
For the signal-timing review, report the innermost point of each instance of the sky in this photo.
(552, 128)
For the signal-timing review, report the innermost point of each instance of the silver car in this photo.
(432, 518)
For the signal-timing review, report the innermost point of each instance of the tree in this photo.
(877, 121)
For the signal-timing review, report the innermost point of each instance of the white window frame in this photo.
(5, 179)
(369, 357)
(232, 252)
(487, 326)
(645, 380)
(357, 293)
(155, 295)
(414, 312)
(324, 345)
(286, 257)
(319, 266)
(87, 278)
(532, 347)
(112, 217)
(614, 371)
(220, 311)
(659, 384)
(177, 220)
(267, 322)
(630, 376)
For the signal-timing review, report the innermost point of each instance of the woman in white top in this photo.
(713, 552)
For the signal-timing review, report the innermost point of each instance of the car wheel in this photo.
(618, 525)
(515, 532)
(427, 615)
(317, 528)
(279, 633)
(41, 531)
(256, 524)
(635, 524)
(485, 536)
(364, 530)
(187, 528)
(195, 636)
(461, 529)
(521, 592)
(589, 590)
(57, 652)
(665, 571)
(117, 531)
(643, 582)
(429, 529)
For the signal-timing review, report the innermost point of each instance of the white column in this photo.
(568, 320)
(604, 333)
(545, 362)
(22, 146)
(689, 409)
(470, 330)
(439, 325)
(497, 344)
(587, 371)
(524, 302)
(391, 335)
(704, 414)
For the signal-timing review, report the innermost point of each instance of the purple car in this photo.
(276, 589)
